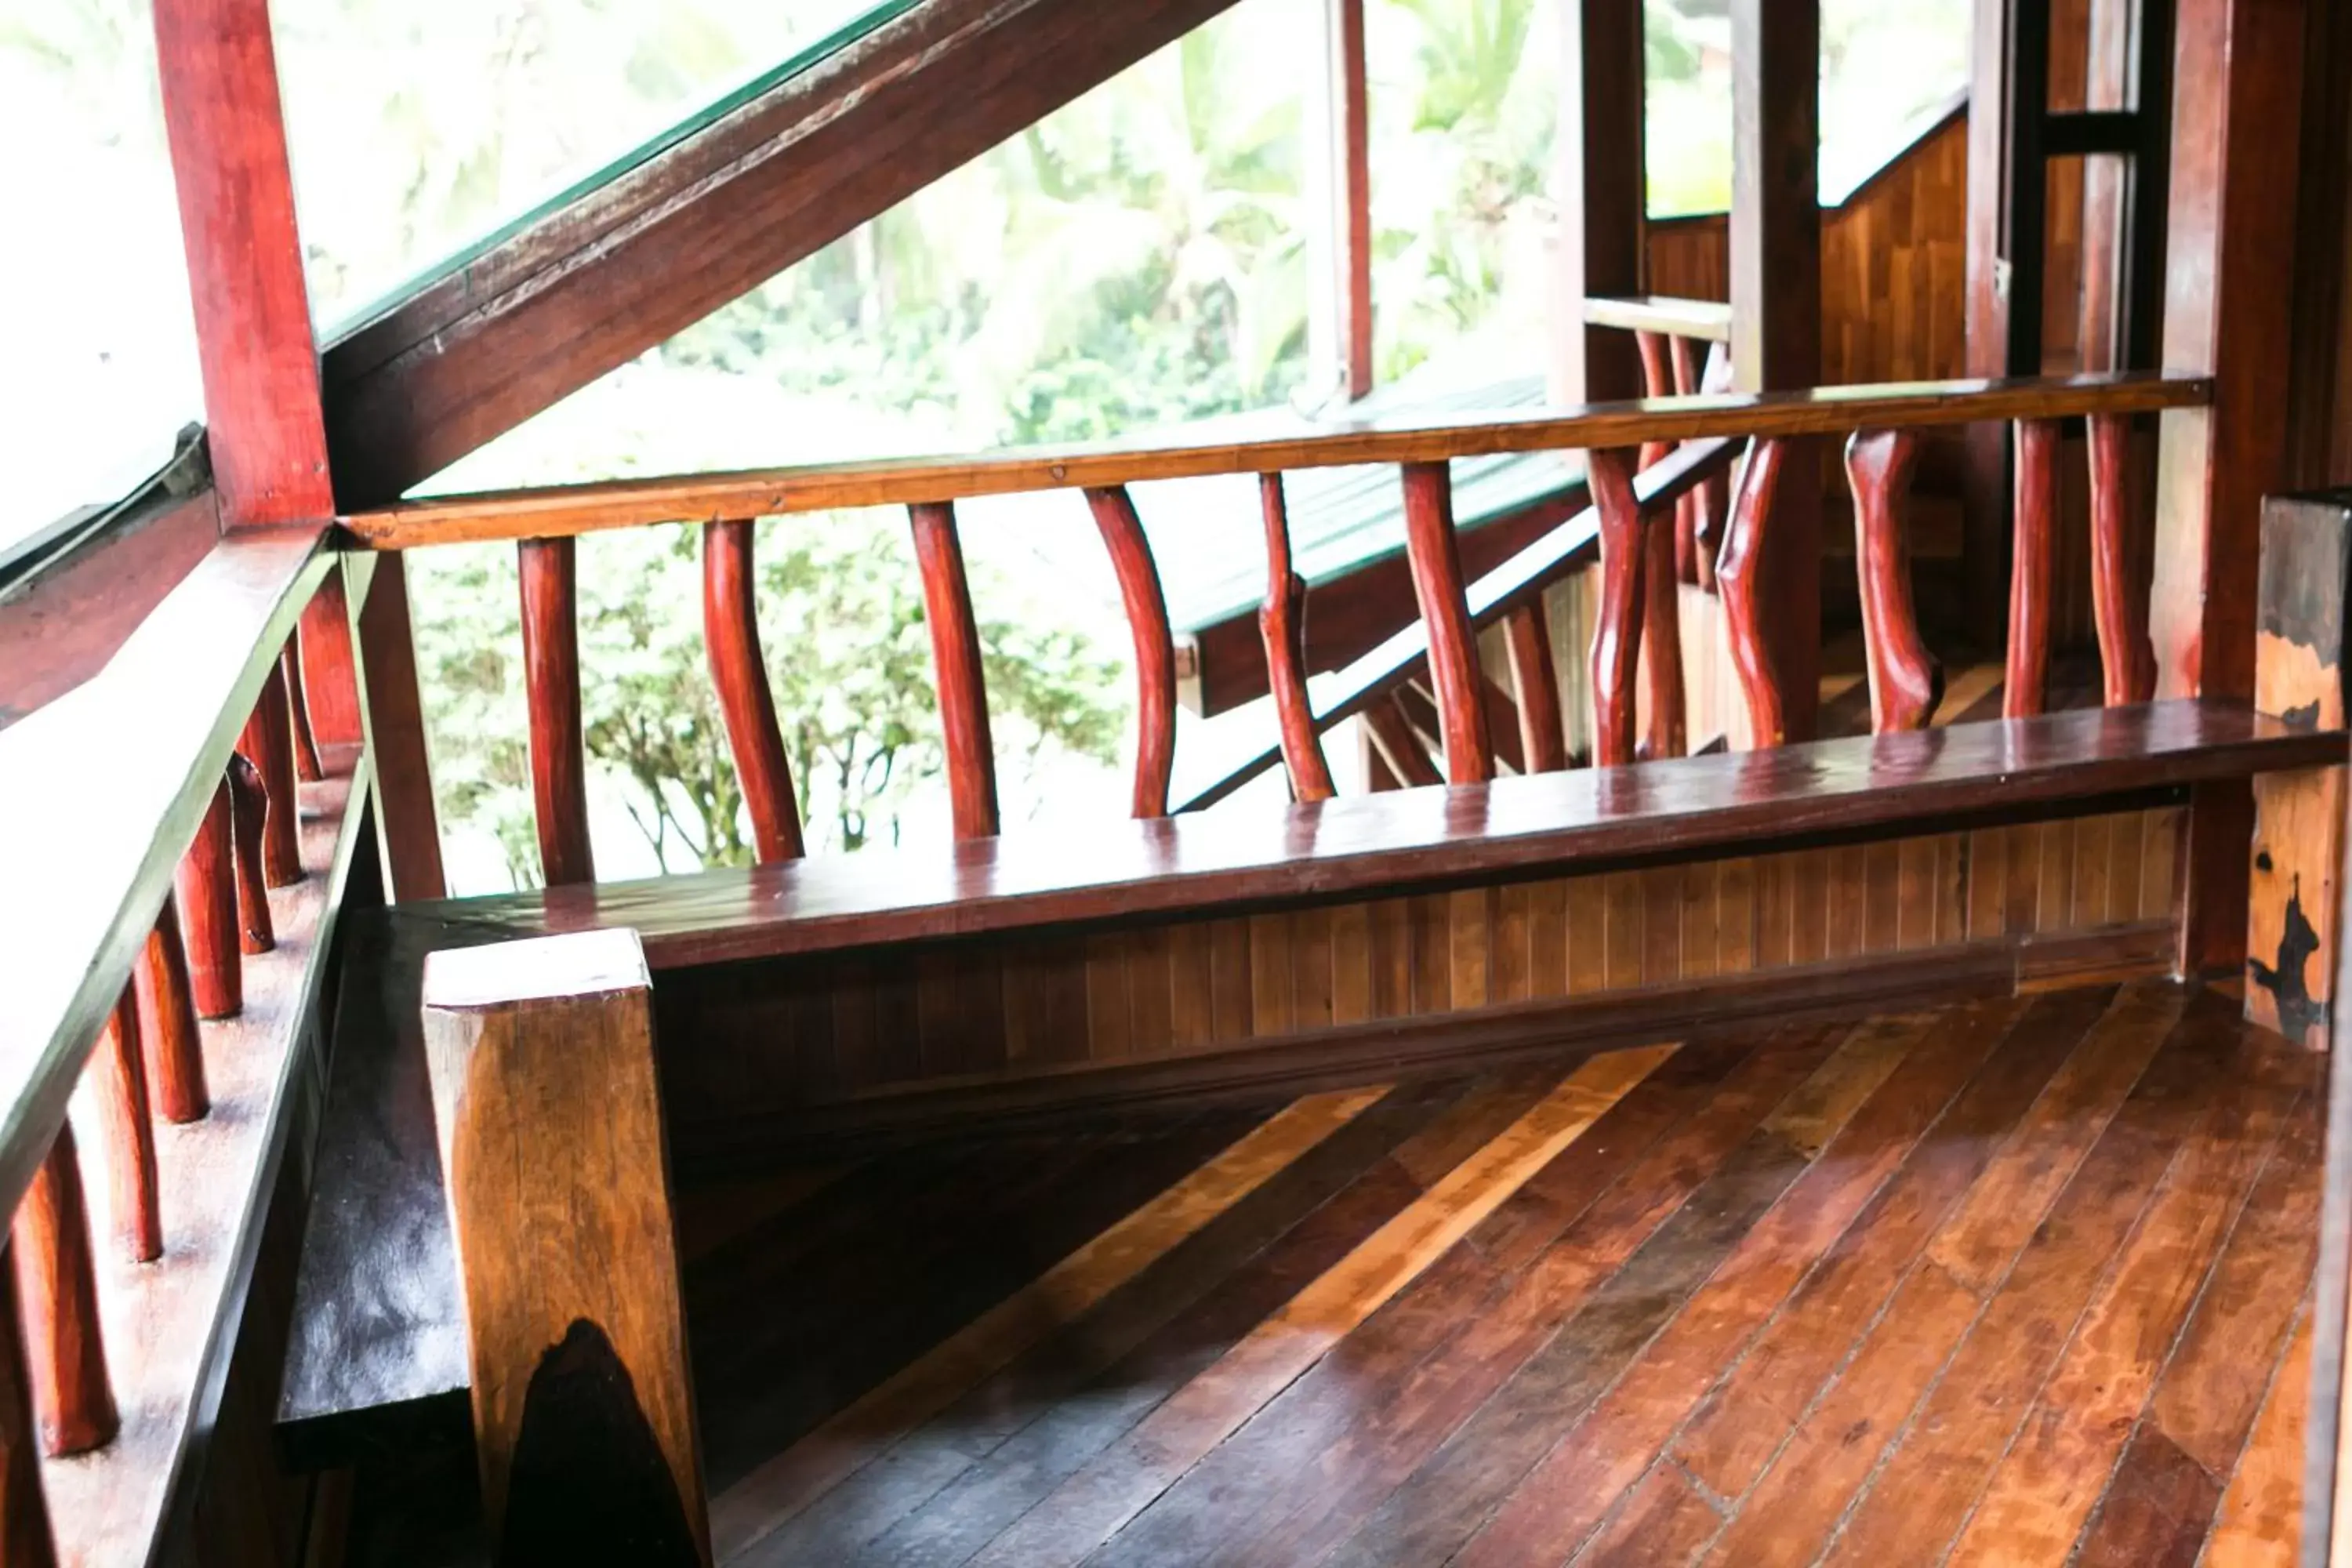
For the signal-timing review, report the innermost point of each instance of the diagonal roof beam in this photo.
(548, 309)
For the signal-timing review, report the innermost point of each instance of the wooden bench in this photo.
(853, 997)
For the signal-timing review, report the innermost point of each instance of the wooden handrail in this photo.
(1708, 320)
(563, 510)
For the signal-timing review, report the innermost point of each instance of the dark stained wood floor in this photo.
(2017, 1281)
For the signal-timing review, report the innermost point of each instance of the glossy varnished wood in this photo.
(1905, 681)
(57, 1285)
(956, 662)
(1155, 647)
(548, 579)
(206, 886)
(395, 733)
(167, 1020)
(1821, 411)
(2032, 553)
(249, 814)
(1617, 630)
(1535, 689)
(1739, 575)
(268, 744)
(133, 1199)
(730, 629)
(25, 1536)
(1282, 625)
(2118, 602)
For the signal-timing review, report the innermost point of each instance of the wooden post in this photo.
(167, 1021)
(540, 1055)
(1905, 681)
(550, 659)
(396, 735)
(1775, 309)
(1339, 228)
(1601, 191)
(248, 798)
(57, 1285)
(269, 744)
(205, 888)
(1155, 645)
(1617, 627)
(2294, 902)
(956, 660)
(1437, 588)
(133, 1202)
(25, 1537)
(1282, 623)
(731, 634)
(2229, 264)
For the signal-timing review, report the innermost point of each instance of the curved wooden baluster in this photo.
(306, 745)
(1445, 616)
(1535, 687)
(551, 663)
(1155, 645)
(167, 1023)
(1666, 732)
(129, 1136)
(1735, 578)
(1714, 496)
(249, 801)
(1617, 633)
(1657, 381)
(205, 888)
(269, 744)
(955, 655)
(1690, 506)
(1282, 623)
(2126, 657)
(25, 1536)
(2032, 565)
(1905, 681)
(730, 634)
(57, 1284)
(1393, 736)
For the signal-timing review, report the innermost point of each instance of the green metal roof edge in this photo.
(841, 38)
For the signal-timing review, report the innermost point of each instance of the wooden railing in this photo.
(1643, 458)
(167, 933)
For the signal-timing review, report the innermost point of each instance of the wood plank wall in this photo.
(752, 1051)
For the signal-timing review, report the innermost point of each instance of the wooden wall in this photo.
(754, 1050)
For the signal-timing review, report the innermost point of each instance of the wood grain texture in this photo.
(1437, 588)
(1905, 681)
(1740, 574)
(1535, 691)
(540, 1057)
(1155, 649)
(1598, 184)
(1665, 726)
(206, 886)
(133, 1201)
(548, 579)
(1282, 625)
(2126, 657)
(249, 808)
(268, 744)
(57, 1290)
(731, 630)
(554, 511)
(167, 1022)
(1617, 629)
(2031, 585)
(956, 659)
(1707, 321)
(326, 647)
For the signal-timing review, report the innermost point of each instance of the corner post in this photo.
(540, 1057)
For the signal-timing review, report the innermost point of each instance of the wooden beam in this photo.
(219, 79)
(817, 152)
(2228, 271)
(540, 1057)
(1776, 306)
(1602, 192)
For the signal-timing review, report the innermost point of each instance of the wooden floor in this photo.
(2021, 1281)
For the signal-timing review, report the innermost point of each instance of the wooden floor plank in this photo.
(2260, 1523)
(1667, 1519)
(2156, 1511)
(1557, 1504)
(1090, 1507)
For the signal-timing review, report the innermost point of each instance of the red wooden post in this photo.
(25, 1537)
(249, 806)
(306, 745)
(396, 735)
(1665, 731)
(1598, 179)
(206, 887)
(1281, 622)
(269, 744)
(551, 658)
(2126, 659)
(1739, 576)
(955, 655)
(1691, 507)
(330, 664)
(167, 1023)
(2032, 563)
(57, 1284)
(1617, 634)
(133, 1201)
(1445, 614)
(1155, 645)
(1535, 687)
(1905, 681)
(730, 631)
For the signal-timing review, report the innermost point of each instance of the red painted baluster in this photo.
(1393, 738)
(249, 801)
(1735, 578)
(730, 631)
(129, 1135)
(306, 746)
(167, 1023)
(1905, 681)
(550, 662)
(2126, 657)
(1665, 732)
(25, 1536)
(1535, 687)
(1713, 495)
(57, 1284)
(1155, 645)
(1281, 622)
(2031, 567)
(206, 889)
(1617, 633)
(269, 744)
(955, 655)
(1445, 615)
(1692, 503)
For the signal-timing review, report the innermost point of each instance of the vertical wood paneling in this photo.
(1351, 965)
(1310, 970)
(1191, 986)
